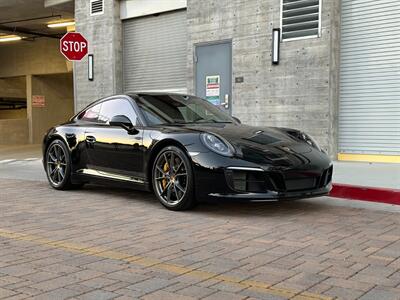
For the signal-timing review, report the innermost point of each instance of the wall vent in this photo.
(96, 7)
(301, 19)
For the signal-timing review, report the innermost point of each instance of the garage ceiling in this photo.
(29, 18)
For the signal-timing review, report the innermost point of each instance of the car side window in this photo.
(115, 107)
(91, 114)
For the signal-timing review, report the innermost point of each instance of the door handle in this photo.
(90, 139)
(226, 101)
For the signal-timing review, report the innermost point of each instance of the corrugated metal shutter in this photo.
(154, 52)
(369, 114)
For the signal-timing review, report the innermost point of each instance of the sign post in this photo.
(74, 46)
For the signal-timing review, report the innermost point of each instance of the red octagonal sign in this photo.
(73, 46)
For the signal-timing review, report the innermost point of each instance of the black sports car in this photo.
(185, 150)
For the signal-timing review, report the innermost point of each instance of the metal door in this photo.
(214, 74)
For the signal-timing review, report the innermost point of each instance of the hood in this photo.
(262, 145)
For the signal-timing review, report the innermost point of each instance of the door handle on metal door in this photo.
(226, 103)
(90, 139)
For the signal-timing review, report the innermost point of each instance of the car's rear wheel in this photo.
(58, 166)
(172, 179)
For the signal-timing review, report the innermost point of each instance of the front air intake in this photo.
(249, 181)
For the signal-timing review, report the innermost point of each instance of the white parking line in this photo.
(5, 161)
(19, 161)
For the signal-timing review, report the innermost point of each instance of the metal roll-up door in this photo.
(369, 114)
(154, 52)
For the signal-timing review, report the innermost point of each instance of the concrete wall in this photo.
(300, 92)
(13, 122)
(14, 132)
(13, 87)
(39, 57)
(13, 114)
(59, 103)
(103, 33)
(139, 8)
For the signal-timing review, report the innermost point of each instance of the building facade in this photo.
(337, 77)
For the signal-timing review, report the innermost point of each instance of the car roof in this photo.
(155, 93)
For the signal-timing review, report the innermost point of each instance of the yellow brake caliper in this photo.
(165, 169)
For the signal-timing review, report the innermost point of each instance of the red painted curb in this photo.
(373, 194)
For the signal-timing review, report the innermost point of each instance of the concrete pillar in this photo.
(29, 107)
(104, 35)
(334, 77)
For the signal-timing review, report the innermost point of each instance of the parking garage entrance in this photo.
(36, 81)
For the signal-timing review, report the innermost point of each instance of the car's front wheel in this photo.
(58, 166)
(172, 179)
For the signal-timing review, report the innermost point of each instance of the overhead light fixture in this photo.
(61, 24)
(10, 38)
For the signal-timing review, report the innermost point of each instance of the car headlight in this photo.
(216, 144)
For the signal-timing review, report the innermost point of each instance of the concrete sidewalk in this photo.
(377, 182)
(380, 175)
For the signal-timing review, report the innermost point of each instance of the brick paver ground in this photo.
(100, 243)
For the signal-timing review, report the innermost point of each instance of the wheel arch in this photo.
(52, 138)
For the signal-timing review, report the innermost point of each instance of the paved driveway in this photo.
(104, 243)
(100, 243)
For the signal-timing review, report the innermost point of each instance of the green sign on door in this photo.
(213, 85)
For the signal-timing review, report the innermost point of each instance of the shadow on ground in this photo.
(225, 208)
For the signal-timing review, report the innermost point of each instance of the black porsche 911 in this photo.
(185, 150)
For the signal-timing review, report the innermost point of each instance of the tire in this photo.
(58, 166)
(173, 186)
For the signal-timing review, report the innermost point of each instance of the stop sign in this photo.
(73, 46)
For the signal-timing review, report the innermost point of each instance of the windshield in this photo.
(173, 109)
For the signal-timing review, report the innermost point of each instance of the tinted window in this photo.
(164, 109)
(90, 115)
(116, 107)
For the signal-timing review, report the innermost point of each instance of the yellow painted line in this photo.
(369, 158)
(257, 286)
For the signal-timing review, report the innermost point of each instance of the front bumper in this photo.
(215, 179)
(272, 195)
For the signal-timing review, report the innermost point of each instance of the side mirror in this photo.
(124, 122)
(237, 120)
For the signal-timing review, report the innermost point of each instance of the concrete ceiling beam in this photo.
(50, 3)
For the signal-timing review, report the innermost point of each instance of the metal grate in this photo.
(96, 7)
(300, 19)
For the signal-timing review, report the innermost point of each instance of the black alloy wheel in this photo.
(173, 179)
(58, 166)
